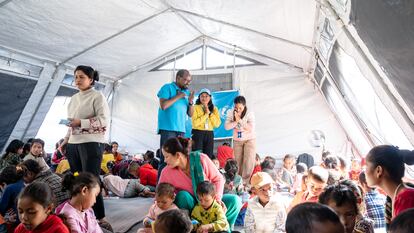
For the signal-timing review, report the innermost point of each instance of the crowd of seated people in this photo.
(360, 194)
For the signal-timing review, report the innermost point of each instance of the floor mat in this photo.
(124, 213)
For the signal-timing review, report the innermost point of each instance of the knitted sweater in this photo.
(91, 108)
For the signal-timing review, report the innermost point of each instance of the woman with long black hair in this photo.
(243, 124)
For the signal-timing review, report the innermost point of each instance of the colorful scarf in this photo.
(196, 170)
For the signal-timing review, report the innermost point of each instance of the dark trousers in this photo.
(164, 136)
(204, 140)
(87, 157)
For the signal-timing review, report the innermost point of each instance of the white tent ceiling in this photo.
(116, 37)
(125, 39)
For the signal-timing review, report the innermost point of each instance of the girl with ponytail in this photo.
(84, 188)
(88, 115)
(185, 170)
(385, 169)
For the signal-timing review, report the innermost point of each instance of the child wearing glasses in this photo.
(265, 213)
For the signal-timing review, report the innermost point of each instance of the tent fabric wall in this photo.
(29, 111)
(347, 36)
(39, 111)
(287, 108)
(135, 111)
(387, 96)
(37, 106)
(386, 28)
(19, 90)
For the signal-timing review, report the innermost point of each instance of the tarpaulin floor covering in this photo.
(125, 213)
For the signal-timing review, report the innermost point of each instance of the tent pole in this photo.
(112, 110)
(204, 56)
(36, 60)
(188, 22)
(255, 53)
(234, 68)
(5, 2)
(355, 117)
(312, 60)
(114, 35)
(173, 72)
(28, 56)
(306, 47)
(48, 90)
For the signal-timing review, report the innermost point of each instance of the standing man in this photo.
(176, 101)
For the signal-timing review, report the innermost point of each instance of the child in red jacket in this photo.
(146, 173)
(37, 198)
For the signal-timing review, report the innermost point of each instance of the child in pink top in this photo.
(84, 188)
(164, 199)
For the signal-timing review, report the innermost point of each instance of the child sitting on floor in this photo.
(106, 157)
(36, 153)
(343, 201)
(301, 170)
(403, 223)
(149, 157)
(355, 169)
(374, 202)
(257, 168)
(286, 175)
(146, 174)
(173, 221)
(83, 187)
(164, 200)
(268, 165)
(234, 182)
(208, 212)
(126, 187)
(313, 218)
(35, 207)
(265, 213)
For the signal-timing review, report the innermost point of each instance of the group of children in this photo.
(38, 214)
(32, 194)
(326, 197)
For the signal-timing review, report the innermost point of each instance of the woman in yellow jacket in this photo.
(206, 117)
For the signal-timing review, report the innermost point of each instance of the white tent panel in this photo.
(59, 29)
(288, 53)
(127, 51)
(281, 18)
(135, 109)
(287, 108)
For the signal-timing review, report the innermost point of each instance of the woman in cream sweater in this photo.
(88, 113)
